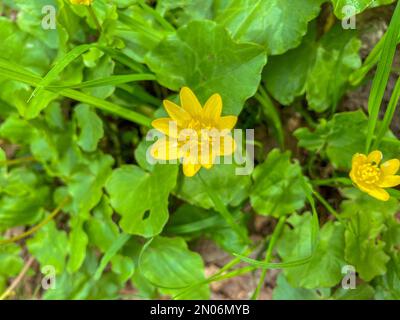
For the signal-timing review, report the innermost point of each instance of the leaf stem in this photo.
(17, 280)
(268, 255)
(219, 205)
(94, 17)
(328, 207)
(16, 161)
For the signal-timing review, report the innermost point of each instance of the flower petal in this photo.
(190, 103)
(227, 122)
(379, 193)
(165, 149)
(213, 108)
(390, 167)
(190, 168)
(375, 156)
(389, 181)
(176, 112)
(227, 146)
(358, 159)
(167, 126)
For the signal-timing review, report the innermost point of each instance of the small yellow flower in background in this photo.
(372, 178)
(195, 134)
(84, 2)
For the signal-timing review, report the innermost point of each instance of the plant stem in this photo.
(219, 205)
(38, 226)
(16, 161)
(94, 17)
(332, 181)
(268, 255)
(17, 280)
(327, 205)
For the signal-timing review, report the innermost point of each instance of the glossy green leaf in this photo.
(324, 268)
(278, 25)
(203, 56)
(140, 198)
(50, 247)
(170, 265)
(278, 187)
(231, 188)
(364, 249)
(91, 128)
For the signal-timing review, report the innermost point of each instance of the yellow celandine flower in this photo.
(372, 178)
(194, 134)
(84, 2)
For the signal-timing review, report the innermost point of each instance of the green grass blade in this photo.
(272, 115)
(382, 75)
(107, 81)
(369, 63)
(79, 96)
(387, 119)
(110, 253)
(275, 265)
(60, 65)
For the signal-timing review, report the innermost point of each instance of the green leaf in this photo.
(364, 249)
(23, 199)
(222, 179)
(123, 267)
(358, 6)
(341, 137)
(101, 229)
(295, 65)
(284, 291)
(324, 268)
(203, 56)
(85, 185)
(110, 253)
(11, 263)
(50, 247)
(388, 285)
(278, 186)
(278, 25)
(103, 68)
(22, 48)
(336, 58)
(30, 18)
(170, 265)
(140, 198)
(193, 222)
(78, 241)
(91, 127)
(361, 292)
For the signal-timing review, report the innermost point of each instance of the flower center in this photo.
(369, 173)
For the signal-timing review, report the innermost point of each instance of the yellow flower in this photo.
(372, 178)
(194, 134)
(84, 2)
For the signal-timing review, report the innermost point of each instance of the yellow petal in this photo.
(176, 112)
(389, 181)
(375, 156)
(165, 149)
(190, 103)
(167, 126)
(227, 146)
(213, 108)
(379, 194)
(207, 165)
(390, 167)
(227, 122)
(190, 168)
(358, 159)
